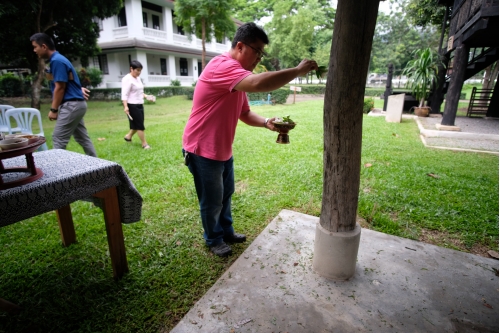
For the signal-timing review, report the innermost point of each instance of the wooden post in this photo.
(456, 83)
(343, 112)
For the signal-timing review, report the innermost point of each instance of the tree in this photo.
(205, 19)
(395, 40)
(69, 23)
(292, 29)
(424, 12)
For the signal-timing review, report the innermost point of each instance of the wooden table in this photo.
(68, 177)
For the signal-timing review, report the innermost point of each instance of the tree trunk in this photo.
(203, 50)
(36, 87)
(343, 112)
(456, 83)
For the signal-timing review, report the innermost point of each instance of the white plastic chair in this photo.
(24, 118)
(3, 120)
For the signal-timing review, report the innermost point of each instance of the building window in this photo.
(101, 62)
(163, 66)
(183, 63)
(122, 18)
(156, 22)
(98, 22)
(144, 19)
(220, 39)
(199, 68)
(180, 31)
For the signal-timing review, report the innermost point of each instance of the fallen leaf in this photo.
(101, 139)
(242, 322)
(283, 272)
(396, 135)
(493, 254)
(295, 263)
(367, 165)
(178, 243)
(488, 306)
(432, 175)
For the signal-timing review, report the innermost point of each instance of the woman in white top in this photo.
(133, 102)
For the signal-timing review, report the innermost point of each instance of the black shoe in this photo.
(235, 238)
(222, 250)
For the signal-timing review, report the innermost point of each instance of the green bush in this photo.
(175, 83)
(313, 89)
(115, 93)
(10, 85)
(278, 96)
(91, 77)
(368, 104)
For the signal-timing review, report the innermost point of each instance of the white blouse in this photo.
(132, 90)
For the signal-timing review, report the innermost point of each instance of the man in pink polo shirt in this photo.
(219, 102)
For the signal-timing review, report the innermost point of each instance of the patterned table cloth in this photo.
(68, 177)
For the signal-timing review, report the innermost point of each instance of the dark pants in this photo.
(214, 182)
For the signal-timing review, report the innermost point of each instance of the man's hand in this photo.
(306, 66)
(85, 93)
(270, 124)
(52, 115)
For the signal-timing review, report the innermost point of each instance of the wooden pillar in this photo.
(388, 85)
(343, 112)
(437, 97)
(456, 82)
(493, 107)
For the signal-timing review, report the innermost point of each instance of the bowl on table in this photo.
(31, 138)
(13, 143)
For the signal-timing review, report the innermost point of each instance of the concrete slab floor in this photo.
(400, 285)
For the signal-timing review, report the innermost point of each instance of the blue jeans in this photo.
(214, 182)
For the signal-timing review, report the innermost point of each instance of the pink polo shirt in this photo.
(216, 109)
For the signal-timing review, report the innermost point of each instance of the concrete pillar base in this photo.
(448, 128)
(335, 253)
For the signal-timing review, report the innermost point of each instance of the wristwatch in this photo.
(53, 110)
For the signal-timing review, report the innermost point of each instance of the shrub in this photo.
(278, 96)
(95, 76)
(115, 93)
(368, 104)
(91, 77)
(10, 85)
(175, 83)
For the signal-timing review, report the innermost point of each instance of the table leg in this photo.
(9, 307)
(66, 226)
(111, 210)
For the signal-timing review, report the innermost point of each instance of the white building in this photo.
(145, 31)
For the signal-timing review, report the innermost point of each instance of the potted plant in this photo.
(421, 73)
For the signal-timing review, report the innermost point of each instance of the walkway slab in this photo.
(400, 285)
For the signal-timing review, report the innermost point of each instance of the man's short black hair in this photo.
(249, 33)
(42, 38)
(135, 64)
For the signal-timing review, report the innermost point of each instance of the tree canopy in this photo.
(70, 23)
(205, 19)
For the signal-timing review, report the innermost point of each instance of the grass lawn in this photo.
(72, 290)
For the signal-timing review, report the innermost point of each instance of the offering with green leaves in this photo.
(284, 125)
